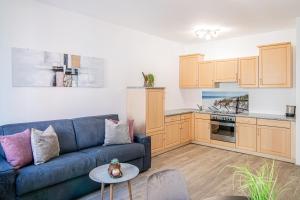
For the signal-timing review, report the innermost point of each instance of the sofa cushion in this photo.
(55, 171)
(123, 152)
(63, 128)
(90, 131)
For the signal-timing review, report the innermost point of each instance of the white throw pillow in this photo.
(116, 133)
(44, 145)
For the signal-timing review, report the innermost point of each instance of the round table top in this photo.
(100, 174)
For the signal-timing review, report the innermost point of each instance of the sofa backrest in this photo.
(63, 128)
(90, 131)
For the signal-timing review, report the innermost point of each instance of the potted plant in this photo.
(258, 184)
(148, 80)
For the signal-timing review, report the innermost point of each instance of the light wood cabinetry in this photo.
(146, 107)
(226, 70)
(157, 142)
(172, 133)
(188, 70)
(273, 139)
(202, 128)
(275, 65)
(185, 130)
(155, 114)
(246, 134)
(207, 74)
(248, 72)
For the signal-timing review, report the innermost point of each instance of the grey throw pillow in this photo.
(44, 144)
(116, 133)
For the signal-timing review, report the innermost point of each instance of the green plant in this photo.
(148, 80)
(259, 184)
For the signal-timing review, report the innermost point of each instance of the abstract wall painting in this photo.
(225, 102)
(33, 68)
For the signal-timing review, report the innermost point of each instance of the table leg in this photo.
(129, 190)
(102, 191)
(111, 191)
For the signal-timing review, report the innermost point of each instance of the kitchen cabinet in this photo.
(226, 70)
(188, 70)
(274, 141)
(155, 102)
(275, 65)
(248, 72)
(146, 107)
(246, 137)
(202, 130)
(172, 133)
(157, 142)
(206, 74)
(185, 130)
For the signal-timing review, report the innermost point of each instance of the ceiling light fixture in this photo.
(207, 34)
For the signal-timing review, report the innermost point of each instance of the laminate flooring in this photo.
(207, 173)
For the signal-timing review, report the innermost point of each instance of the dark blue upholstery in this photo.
(60, 169)
(124, 152)
(71, 189)
(63, 128)
(66, 176)
(7, 180)
(90, 131)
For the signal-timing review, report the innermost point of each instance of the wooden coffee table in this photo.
(100, 175)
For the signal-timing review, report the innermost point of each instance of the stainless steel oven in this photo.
(222, 128)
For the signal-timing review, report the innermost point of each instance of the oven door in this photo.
(223, 131)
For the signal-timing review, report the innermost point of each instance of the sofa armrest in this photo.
(146, 141)
(7, 180)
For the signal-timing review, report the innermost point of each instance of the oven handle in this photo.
(222, 123)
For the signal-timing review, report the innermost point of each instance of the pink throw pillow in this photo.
(130, 127)
(17, 148)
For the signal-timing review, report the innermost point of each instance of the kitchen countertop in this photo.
(251, 115)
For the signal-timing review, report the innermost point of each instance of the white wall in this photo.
(298, 94)
(29, 24)
(271, 101)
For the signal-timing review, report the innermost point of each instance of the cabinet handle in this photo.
(260, 81)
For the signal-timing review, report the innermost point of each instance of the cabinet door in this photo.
(185, 131)
(172, 134)
(273, 140)
(248, 72)
(157, 142)
(206, 74)
(202, 130)
(188, 71)
(275, 66)
(155, 110)
(246, 137)
(226, 70)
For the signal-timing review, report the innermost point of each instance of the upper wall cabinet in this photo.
(248, 72)
(207, 74)
(275, 65)
(188, 70)
(226, 70)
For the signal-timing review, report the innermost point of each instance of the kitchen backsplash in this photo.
(225, 102)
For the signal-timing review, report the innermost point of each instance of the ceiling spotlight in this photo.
(207, 34)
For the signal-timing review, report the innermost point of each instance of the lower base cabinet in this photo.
(172, 134)
(185, 130)
(274, 140)
(246, 137)
(157, 142)
(202, 130)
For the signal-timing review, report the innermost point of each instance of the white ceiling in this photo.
(176, 19)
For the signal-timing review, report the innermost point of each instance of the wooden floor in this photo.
(207, 173)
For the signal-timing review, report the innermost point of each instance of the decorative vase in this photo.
(114, 169)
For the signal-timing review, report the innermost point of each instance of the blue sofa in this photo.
(66, 177)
